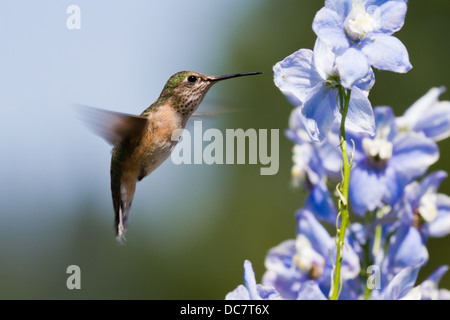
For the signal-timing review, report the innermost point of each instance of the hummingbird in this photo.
(141, 143)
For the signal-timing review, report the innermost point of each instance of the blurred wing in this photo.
(114, 127)
(205, 114)
(221, 107)
(213, 113)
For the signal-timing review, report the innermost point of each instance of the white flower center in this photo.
(307, 259)
(359, 22)
(379, 149)
(427, 206)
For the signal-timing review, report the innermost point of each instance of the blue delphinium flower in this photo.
(307, 258)
(385, 164)
(360, 34)
(425, 209)
(250, 290)
(310, 80)
(428, 115)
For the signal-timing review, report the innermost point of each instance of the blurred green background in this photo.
(191, 226)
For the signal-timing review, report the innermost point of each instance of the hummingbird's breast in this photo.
(157, 143)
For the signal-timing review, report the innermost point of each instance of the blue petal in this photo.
(249, 281)
(320, 111)
(297, 131)
(433, 181)
(358, 233)
(360, 117)
(367, 82)
(405, 208)
(314, 231)
(402, 283)
(429, 287)
(385, 120)
(386, 53)
(367, 189)
(287, 287)
(421, 107)
(392, 16)
(341, 7)
(267, 292)
(252, 291)
(438, 274)
(280, 257)
(324, 59)
(320, 202)
(296, 75)
(315, 165)
(240, 293)
(310, 291)
(352, 66)
(406, 248)
(413, 154)
(370, 187)
(440, 227)
(435, 123)
(379, 3)
(428, 115)
(330, 154)
(395, 182)
(328, 26)
(281, 273)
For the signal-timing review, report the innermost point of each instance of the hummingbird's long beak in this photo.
(229, 76)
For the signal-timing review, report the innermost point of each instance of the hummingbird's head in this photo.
(185, 90)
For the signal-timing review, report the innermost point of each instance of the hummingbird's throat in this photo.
(186, 104)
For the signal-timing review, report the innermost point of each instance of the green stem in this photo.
(344, 99)
(378, 233)
(367, 293)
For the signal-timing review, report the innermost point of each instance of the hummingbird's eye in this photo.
(192, 79)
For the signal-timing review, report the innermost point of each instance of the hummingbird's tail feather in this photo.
(122, 191)
(122, 205)
(122, 220)
(114, 127)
